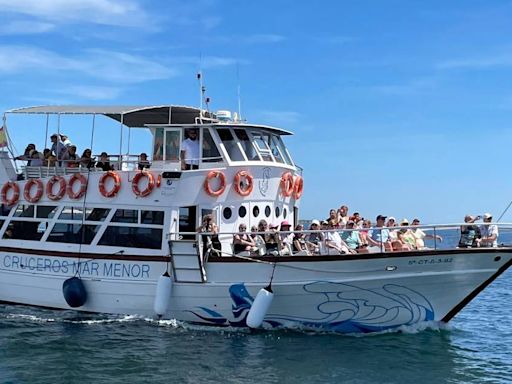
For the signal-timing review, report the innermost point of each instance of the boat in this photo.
(124, 240)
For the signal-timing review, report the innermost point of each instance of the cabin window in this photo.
(187, 221)
(276, 150)
(268, 211)
(4, 210)
(125, 216)
(282, 149)
(247, 145)
(231, 145)
(285, 213)
(261, 141)
(172, 145)
(210, 153)
(133, 237)
(25, 230)
(255, 211)
(242, 211)
(278, 211)
(73, 233)
(152, 217)
(24, 211)
(158, 148)
(46, 211)
(227, 213)
(77, 213)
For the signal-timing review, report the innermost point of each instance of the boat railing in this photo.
(424, 238)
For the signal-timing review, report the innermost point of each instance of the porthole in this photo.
(242, 211)
(256, 211)
(268, 211)
(227, 213)
(285, 213)
(278, 211)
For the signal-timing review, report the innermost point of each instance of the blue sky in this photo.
(399, 107)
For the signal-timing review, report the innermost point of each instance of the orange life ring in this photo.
(83, 186)
(213, 175)
(244, 183)
(28, 188)
(287, 184)
(135, 184)
(15, 193)
(298, 187)
(62, 188)
(117, 184)
(159, 181)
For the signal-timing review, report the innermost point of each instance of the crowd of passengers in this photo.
(63, 153)
(342, 233)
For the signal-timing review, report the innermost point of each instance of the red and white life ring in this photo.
(213, 175)
(117, 184)
(83, 186)
(298, 187)
(244, 183)
(15, 193)
(287, 184)
(28, 189)
(149, 188)
(62, 188)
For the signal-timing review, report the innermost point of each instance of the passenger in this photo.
(65, 140)
(357, 219)
(334, 242)
(36, 158)
(343, 216)
(259, 242)
(70, 158)
(143, 162)
(49, 159)
(366, 225)
(300, 245)
(333, 218)
(26, 154)
(379, 236)
(489, 232)
(286, 238)
(86, 160)
(352, 238)
(190, 150)
(406, 236)
(58, 148)
(104, 162)
(420, 236)
(315, 239)
(242, 241)
(271, 239)
(211, 242)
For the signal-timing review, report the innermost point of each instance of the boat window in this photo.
(96, 214)
(276, 151)
(247, 145)
(158, 147)
(282, 148)
(77, 213)
(187, 221)
(285, 213)
(152, 217)
(268, 211)
(125, 216)
(210, 153)
(133, 237)
(278, 211)
(256, 211)
(261, 141)
(46, 211)
(24, 210)
(242, 211)
(227, 213)
(25, 230)
(73, 233)
(230, 144)
(172, 145)
(4, 210)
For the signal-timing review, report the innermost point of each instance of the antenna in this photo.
(238, 92)
(201, 92)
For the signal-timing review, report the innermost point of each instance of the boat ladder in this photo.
(186, 261)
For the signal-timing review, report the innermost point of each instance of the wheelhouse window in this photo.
(261, 140)
(210, 152)
(125, 216)
(152, 217)
(73, 233)
(231, 145)
(247, 145)
(158, 147)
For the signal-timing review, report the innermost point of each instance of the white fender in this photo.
(163, 294)
(259, 307)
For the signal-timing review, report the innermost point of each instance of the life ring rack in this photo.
(28, 189)
(15, 193)
(213, 175)
(146, 191)
(287, 184)
(62, 188)
(117, 184)
(83, 186)
(244, 183)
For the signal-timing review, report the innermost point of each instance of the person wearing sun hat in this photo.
(489, 232)
(470, 233)
(286, 238)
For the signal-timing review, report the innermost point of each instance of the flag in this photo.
(3, 137)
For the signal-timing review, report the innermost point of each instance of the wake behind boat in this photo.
(122, 237)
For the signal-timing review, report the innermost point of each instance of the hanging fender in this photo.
(83, 186)
(244, 183)
(62, 188)
(15, 193)
(135, 184)
(212, 175)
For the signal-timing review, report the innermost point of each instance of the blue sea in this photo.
(48, 346)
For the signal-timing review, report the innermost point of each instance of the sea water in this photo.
(49, 346)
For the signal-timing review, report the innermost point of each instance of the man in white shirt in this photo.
(489, 232)
(190, 151)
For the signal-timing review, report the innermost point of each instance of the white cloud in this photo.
(486, 62)
(105, 65)
(25, 27)
(108, 12)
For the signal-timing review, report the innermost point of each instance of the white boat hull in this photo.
(363, 294)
